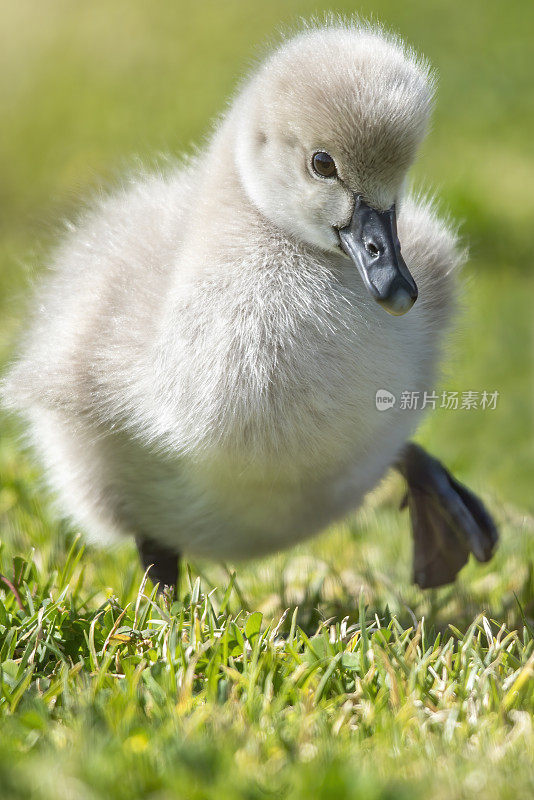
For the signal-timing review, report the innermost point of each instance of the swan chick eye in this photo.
(324, 165)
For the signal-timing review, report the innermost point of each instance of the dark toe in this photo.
(448, 520)
(487, 533)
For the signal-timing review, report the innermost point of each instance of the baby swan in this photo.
(204, 362)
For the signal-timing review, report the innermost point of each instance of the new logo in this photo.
(384, 400)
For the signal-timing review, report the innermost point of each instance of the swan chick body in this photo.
(203, 364)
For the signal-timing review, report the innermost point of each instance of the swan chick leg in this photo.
(161, 562)
(448, 520)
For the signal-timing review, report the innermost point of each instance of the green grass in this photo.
(321, 672)
(129, 696)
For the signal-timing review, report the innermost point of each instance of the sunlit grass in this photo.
(122, 699)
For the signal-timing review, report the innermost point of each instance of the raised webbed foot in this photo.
(448, 520)
(162, 563)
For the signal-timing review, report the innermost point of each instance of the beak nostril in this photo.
(372, 249)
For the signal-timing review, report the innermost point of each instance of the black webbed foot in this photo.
(162, 562)
(448, 520)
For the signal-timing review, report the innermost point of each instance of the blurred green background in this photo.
(87, 90)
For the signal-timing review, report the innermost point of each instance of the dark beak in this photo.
(370, 239)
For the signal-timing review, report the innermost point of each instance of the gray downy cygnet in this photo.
(202, 369)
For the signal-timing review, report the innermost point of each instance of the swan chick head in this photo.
(330, 121)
